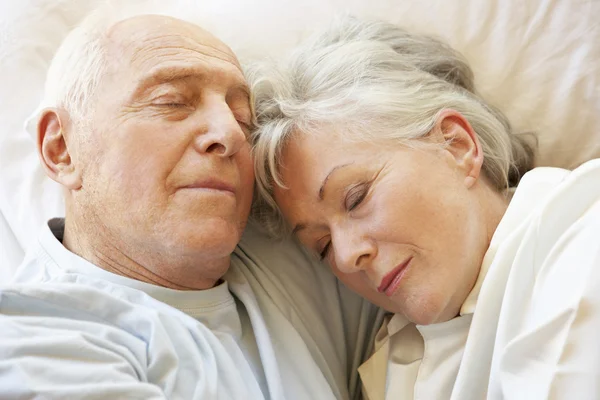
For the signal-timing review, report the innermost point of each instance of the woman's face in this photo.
(407, 228)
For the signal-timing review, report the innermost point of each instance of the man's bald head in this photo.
(136, 33)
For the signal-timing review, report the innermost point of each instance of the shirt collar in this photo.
(396, 323)
(70, 263)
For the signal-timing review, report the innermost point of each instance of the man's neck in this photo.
(171, 271)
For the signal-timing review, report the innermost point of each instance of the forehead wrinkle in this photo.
(171, 63)
(146, 50)
(146, 58)
(136, 42)
(156, 65)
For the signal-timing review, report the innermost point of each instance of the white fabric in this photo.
(416, 361)
(534, 334)
(71, 330)
(11, 253)
(535, 308)
(538, 60)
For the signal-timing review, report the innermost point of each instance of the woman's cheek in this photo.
(355, 282)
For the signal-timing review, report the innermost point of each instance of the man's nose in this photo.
(354, 250)
(224, 136)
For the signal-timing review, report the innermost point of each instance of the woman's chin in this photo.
(426, 310)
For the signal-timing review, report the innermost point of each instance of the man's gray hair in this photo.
(375, 82)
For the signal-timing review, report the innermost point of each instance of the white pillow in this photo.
(537, 60)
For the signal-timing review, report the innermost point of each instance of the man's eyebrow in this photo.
(169, 74)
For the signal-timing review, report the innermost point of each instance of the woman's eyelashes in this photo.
(355, 196)
(324, 253)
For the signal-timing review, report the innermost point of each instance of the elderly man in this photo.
(136, 294)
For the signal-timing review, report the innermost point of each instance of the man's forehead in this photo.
(141, 35)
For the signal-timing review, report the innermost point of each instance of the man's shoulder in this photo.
(101, 311)
(70, 296)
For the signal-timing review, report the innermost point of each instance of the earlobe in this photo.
(53, 149)
(462, 143)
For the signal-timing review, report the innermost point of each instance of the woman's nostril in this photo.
(216, 148)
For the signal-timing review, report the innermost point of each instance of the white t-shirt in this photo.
(530, 328)
(278, 327)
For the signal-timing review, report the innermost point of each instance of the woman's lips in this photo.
(391, 281)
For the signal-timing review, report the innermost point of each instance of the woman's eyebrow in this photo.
(302, 225)
(324, 184)
(298, 228)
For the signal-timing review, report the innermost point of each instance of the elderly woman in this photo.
(374, 148)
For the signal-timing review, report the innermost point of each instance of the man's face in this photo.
(166, 166)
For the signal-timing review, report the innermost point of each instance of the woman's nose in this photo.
(353, 250)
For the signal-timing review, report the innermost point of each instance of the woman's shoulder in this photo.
(558, 198)
(552, 224)
(560, 176)
(551, 309)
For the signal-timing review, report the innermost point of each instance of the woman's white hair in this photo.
(374, 82)
(80, 62)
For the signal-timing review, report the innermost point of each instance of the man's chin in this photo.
(212, 238)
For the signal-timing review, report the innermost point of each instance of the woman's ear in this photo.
(462, 143)
(53, 148)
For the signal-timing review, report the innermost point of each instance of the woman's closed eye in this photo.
(355, 196)
(325, 251)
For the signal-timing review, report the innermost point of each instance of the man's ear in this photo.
(53, 148)
(462, 143)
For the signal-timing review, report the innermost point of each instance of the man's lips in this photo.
(390, 282)
(212, 184)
